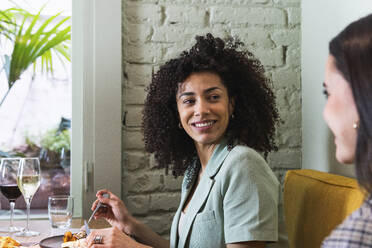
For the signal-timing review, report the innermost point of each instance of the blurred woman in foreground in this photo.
(348, 113)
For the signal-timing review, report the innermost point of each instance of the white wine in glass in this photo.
(28, 180)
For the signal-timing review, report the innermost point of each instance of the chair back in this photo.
(315, 203)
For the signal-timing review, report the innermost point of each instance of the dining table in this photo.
(46, 231)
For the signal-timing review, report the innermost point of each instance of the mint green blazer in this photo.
(236, 200)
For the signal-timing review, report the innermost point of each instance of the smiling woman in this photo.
(208, 114)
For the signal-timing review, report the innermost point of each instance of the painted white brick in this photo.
(138, 204)
(133, 140)
(287, 2)
(134, 160)
(144, 182)
(293, 56)
(273, 57)
(135, 96)
(289, 138)
(286, 78)
(174, 33)
(185, 14)
(240, 15)
(138, 75)
(260, 1)
(294, 16)
(143, 13)
(134, 116)
(138, 32)
(258, 37)
(285, 37)
(143, 53)
(290, 119)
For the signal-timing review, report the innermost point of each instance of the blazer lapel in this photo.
(202, 191)
(176, 218)
(200, 196)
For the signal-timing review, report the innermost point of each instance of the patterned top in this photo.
(355, 231)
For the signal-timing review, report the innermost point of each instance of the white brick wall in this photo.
(157, 30)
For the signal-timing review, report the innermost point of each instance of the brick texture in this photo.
(157, 30)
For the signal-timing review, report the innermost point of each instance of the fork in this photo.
(99, 205)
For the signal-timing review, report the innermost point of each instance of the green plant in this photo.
(6, 23)
(56, 141)
(35, 44)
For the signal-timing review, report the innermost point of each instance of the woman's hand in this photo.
(116, 212)
(112, 237)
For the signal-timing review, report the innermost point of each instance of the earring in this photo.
(356, 125)
(179, 125)
(232, 116)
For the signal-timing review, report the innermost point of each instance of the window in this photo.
(37, 105)
(96, 87)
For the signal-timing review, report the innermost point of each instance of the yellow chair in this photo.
(315, 203)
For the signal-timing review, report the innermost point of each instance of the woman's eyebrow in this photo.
(211, 89)
(186, 94)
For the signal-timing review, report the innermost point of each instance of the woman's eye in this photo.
(188, 101)
(214, 97)
(325, 93)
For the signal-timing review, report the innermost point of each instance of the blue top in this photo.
(236, 200)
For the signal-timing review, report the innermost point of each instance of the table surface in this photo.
(43, 226)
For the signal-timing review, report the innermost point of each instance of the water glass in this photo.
(60, 210)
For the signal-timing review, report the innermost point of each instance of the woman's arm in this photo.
(120, 218)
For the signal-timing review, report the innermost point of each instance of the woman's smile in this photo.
(203, 125)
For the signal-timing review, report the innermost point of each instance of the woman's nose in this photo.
(201, 108)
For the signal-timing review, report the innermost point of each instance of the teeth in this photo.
(205, 124)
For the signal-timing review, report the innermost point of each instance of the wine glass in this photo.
(28, 179)
(8, 185)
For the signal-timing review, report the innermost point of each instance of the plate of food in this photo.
(65, 241)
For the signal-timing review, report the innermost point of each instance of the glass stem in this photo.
(28, 203)
(12, 204)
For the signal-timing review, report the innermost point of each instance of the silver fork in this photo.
(99, 205)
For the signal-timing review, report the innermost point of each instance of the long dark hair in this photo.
(352, 50)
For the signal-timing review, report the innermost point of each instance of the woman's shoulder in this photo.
(245, 151)
(245, 160)
(241, 155)
(355, 229)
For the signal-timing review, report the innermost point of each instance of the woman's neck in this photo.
(204, 153)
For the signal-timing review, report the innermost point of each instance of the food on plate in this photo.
(8, 242)
(68, 236)
(74, 240)
(80, 243)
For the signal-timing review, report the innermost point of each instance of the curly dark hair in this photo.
(255, 112)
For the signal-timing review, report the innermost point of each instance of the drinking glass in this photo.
(60, 210)
(8, 185)
(28, 179)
